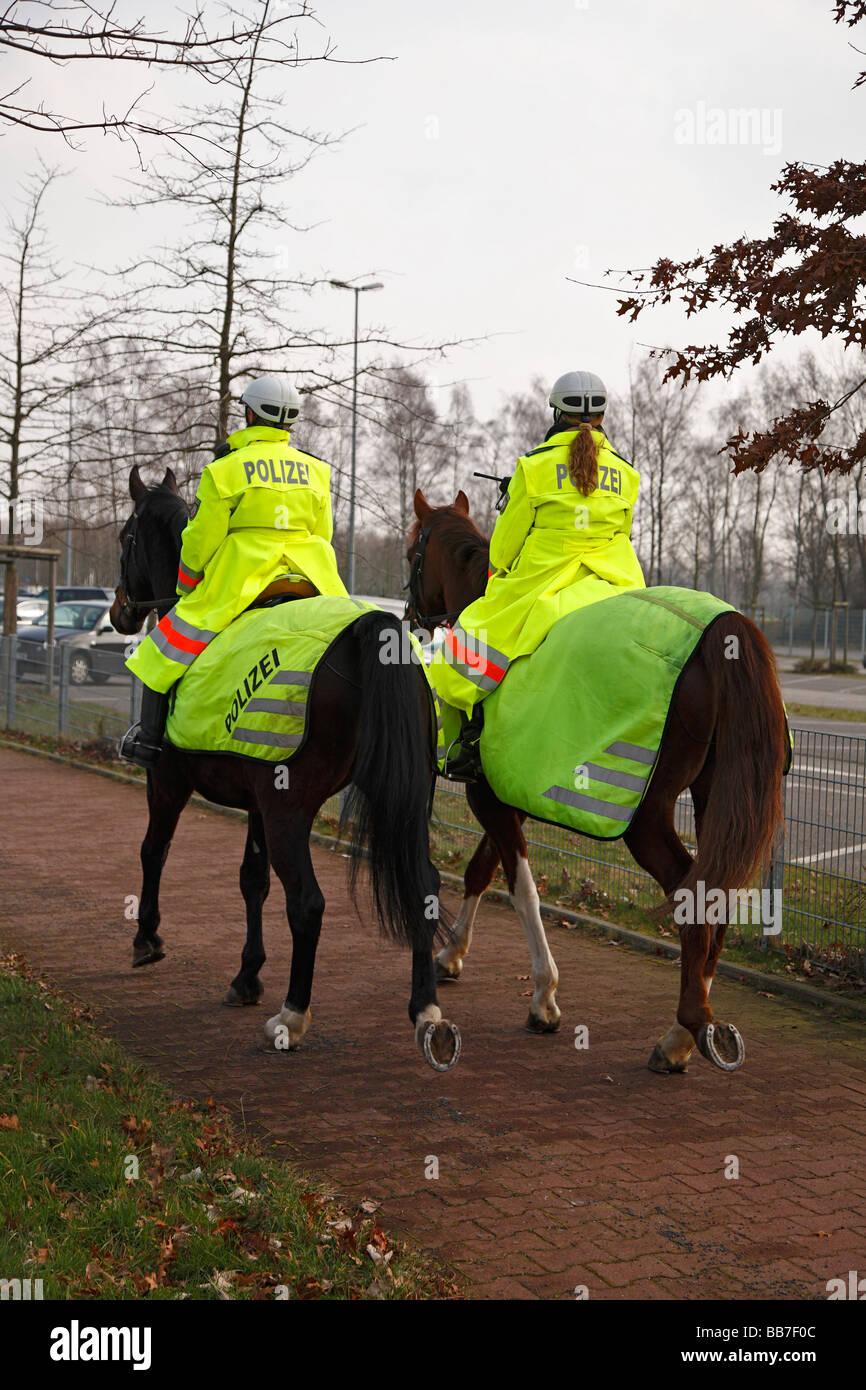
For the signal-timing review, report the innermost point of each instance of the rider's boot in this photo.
(142, 743)
(464, 765)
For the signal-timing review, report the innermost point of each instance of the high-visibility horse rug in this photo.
(247, 692)
(572, 734)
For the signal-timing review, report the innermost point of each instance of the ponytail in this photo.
(583, 461)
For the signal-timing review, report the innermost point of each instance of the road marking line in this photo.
(828, 854)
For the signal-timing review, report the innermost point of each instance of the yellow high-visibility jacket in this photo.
(262, 511)
(552, 551)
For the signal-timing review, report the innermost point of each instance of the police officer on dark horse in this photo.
(369, 722)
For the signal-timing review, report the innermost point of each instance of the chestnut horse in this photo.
(368, 726)
(727, 744)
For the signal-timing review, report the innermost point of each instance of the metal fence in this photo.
(84, 695)
(819, 867)
(826, 630)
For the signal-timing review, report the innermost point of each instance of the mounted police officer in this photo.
(261, 526)
(561, 541)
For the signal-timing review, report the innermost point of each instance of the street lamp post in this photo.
(357, 290)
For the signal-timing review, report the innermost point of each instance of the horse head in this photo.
(149, 552)
(447, 557)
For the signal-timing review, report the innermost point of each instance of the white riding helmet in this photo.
(579, 393)
(274, 401)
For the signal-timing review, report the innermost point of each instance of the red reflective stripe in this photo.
(176, 639)
(188, 580)
(485, 666)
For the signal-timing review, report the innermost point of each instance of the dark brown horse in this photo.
(368, 726)
(727, 745)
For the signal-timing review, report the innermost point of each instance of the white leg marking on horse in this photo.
(545, 975)
(296, 1023)
(451, 956)
(432, 1014)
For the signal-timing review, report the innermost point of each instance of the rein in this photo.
(413, 602)
(128, 548)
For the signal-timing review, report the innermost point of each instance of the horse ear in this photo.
(170, 481)
(461, 502)
(137, 488)
(422, 506)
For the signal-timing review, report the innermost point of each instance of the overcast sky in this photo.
(508, 146)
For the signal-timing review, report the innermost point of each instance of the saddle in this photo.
(282, 590)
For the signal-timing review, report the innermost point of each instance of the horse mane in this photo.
(167, 506)
(456, 530)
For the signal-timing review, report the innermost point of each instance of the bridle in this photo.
(127, 604)
(413, 611)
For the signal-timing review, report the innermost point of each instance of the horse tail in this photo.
(744, 806)
(388, 805)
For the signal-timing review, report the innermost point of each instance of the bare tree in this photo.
(40, 327)
(38, 33)
(657, 418)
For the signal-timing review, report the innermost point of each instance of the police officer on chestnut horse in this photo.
(562, 540)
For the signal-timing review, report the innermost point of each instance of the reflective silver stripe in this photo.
(291, 678)
(472, 674)
(264, 736)
(297, 708)
(633, 751)
(162, 643)
(610, 809)
(472, 642)
(614, 778)
(195, 634)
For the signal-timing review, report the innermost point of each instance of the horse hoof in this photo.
(442, 1045)
(285, 1030)
(722, 1045)
(147, 955)
(234, 1000)
(534, 1024)
(660, 1063)
(443, 974)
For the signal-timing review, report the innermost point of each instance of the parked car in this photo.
(397, 606)
(72, 592)
(28, 609)
(97, 652)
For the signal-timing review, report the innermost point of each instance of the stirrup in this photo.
(465, 764)
(135, 750)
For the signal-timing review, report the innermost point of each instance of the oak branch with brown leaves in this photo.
(809, 274)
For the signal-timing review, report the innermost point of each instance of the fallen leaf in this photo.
(9, 1122)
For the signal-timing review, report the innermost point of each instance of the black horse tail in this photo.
(388, 804)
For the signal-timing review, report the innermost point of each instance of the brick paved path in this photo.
(557, 1167)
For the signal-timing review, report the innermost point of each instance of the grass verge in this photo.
(115, 1189)
(849, 716)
